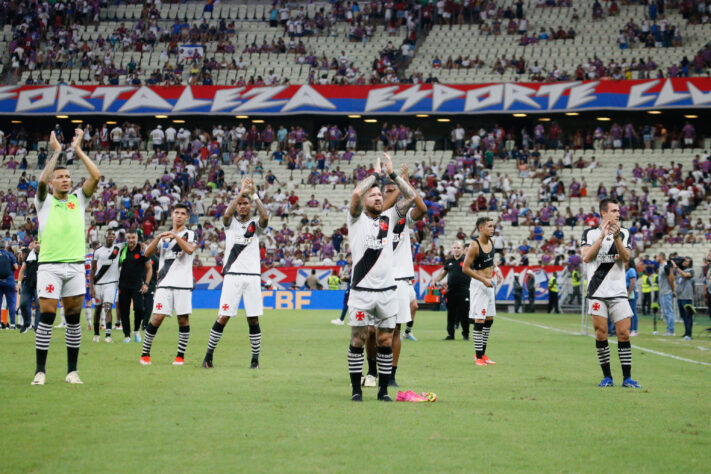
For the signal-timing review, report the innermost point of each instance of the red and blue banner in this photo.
(289, 291)
(402, 99)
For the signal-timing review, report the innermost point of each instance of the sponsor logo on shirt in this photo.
(375, 244)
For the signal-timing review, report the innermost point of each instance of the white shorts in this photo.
(615, 309)
(482, 300)
(61, 280)
(247, 288)
(373, 308)
(169, 300)
(105, 293)
(405, 294)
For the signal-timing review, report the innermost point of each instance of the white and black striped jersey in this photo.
(175, 268)
(242, 248)
(402, 248)
(107, 264)
(606, 274)
(371, 243)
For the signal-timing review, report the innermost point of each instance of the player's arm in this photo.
(408, 194)
(589, 251)
(43, 183)
(361, 189)
(151, 249)
(229, 212)
(263, 214)
(92, 272)
(622, 250)
(94, 174)
(498, 275)
(185, 246)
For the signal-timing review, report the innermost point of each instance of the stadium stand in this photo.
(494, 171)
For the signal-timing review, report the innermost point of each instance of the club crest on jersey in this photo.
(384, 225)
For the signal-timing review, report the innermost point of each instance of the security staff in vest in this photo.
(457, 297)
(646, 284)
(136, 272)
(333, 281)
(553, 294)
(575, 282)
(27, 285)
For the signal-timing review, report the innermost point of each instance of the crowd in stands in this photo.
(195, 164)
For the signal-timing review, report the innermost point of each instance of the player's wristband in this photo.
(393, 175)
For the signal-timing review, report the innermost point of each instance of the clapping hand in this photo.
(76, 141)
(388, 164)
(54, 143)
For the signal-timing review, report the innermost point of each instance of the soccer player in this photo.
(373, 299)
(404, 269)
(242, 270)
(174, 291)
(62, 237)
(135, 274)
(103, 281)
(479, 266)
(606, 250)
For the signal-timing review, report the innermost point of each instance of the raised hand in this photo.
(76, 141)
(405, 172)
(54, 143)
(388, 164)
(244, 187)
(378, 169)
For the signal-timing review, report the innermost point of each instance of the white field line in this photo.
(651, 351)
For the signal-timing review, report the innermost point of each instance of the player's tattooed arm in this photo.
(43, 183)
(263, 214)
(359, 192)
(408, 194)
(94, 174)
(420, 207)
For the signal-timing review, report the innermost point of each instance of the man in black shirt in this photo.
(27, 282)
(135, 274)
(148, 295)
(457, 292)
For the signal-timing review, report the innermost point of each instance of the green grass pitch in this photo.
(538, 410)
